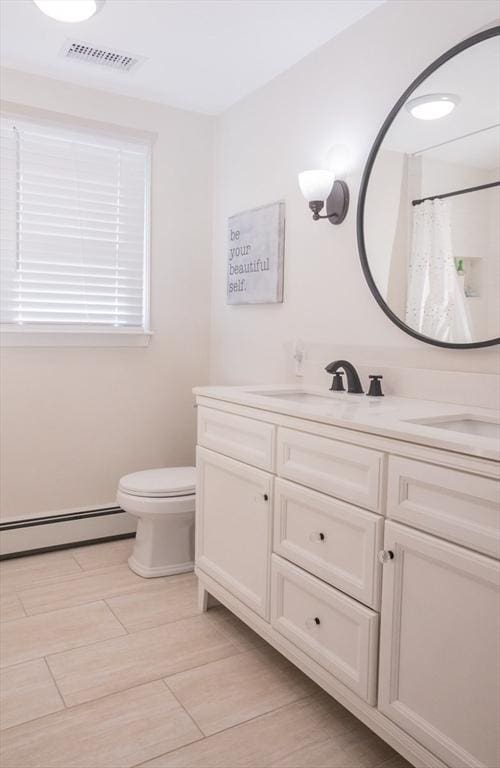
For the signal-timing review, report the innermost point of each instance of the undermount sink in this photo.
(300, 397)
(468, 424)
(331, 399)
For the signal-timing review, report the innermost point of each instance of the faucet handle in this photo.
(375, 386)
(337, 383)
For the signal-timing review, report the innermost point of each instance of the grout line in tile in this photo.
(55, 683)
(84, 703)
(262, 714)
(47, 581)
(239, 652)
(122, 690)
(47, 656)
(116, 617)
(133, 591)
(230, 728)
(66, 578)
(70, 552)
(7, 621)
(197, 725)
(77, 605)
(64, 608)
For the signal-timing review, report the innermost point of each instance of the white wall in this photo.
(339, 94)
(74, 420)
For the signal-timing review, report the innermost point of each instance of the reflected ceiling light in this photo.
(433, 106)
(319, 186)
(69, 10)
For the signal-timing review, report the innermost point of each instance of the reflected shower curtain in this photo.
(435, 304)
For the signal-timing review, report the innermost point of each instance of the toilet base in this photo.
(158, 570)
(164, 541)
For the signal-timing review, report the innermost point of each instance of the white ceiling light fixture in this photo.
(433, 106)
(70, 11)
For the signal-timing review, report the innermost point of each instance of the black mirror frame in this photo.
(462, 46)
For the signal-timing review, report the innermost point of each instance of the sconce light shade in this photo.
(316, 185)
(320, 186)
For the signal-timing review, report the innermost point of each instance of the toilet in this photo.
(163, 500)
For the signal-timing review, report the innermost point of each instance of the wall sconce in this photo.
(319, 186)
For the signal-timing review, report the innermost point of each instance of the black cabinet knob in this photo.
(385, 556)
(317, 621)
(266, 497)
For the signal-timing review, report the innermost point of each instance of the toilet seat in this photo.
(164, 483)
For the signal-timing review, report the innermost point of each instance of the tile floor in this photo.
(103, 669)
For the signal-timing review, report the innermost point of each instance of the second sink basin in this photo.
(468, 424)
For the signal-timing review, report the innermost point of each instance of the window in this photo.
(74, 210)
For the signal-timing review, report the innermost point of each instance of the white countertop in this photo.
(388, 416)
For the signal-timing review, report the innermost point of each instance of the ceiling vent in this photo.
(106, 57)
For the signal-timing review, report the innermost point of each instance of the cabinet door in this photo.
(439, 660)
(233, 527)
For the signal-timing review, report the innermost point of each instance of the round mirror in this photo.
(428, 212)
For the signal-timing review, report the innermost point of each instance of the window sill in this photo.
(38, 338)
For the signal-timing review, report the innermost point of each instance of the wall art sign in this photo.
(256, 244)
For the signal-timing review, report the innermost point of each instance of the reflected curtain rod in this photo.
(457, 192)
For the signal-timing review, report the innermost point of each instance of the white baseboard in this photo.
(53, 531)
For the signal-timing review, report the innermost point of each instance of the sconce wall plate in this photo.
(337, 202)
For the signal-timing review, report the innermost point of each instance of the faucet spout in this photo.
(353, 382)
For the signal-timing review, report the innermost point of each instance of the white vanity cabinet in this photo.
(295, 517)
(439, 656)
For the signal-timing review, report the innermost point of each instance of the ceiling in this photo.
(202, 55)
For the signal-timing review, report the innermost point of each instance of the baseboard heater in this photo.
(68, 529)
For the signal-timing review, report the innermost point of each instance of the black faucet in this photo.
(353, 382)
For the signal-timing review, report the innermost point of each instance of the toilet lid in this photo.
(169, 481)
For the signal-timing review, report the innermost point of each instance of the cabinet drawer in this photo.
(335, 541)
(340, 469)
(245, 439)
(332, 629)
(460, 507)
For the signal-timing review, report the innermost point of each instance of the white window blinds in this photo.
(74, 228)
